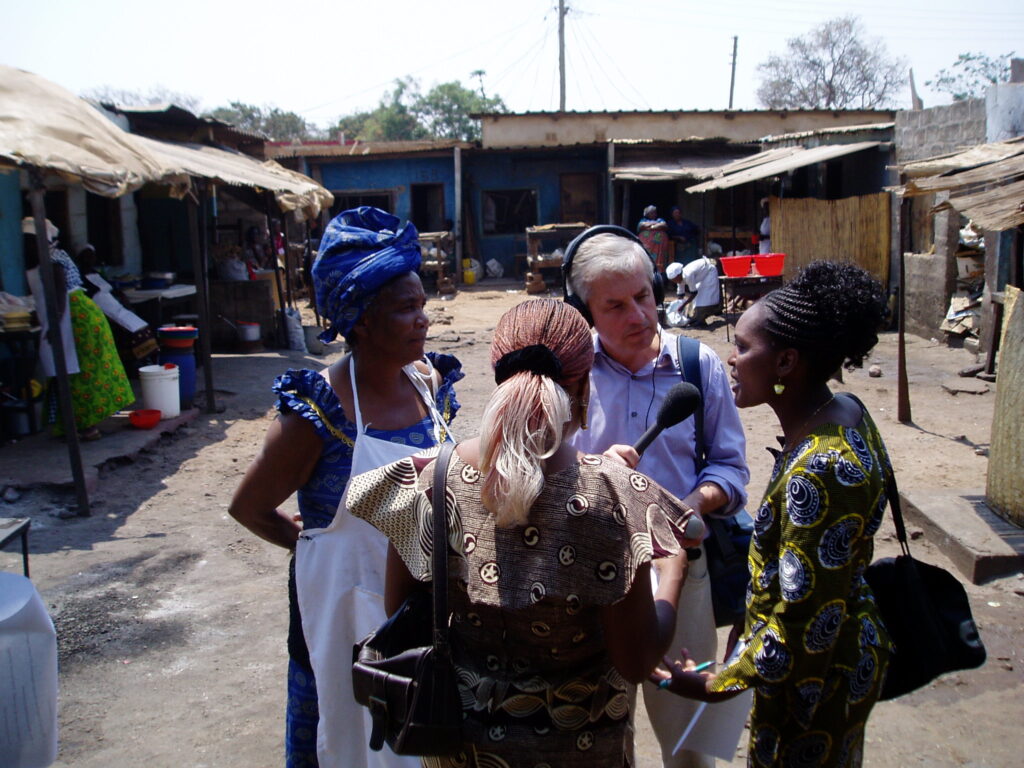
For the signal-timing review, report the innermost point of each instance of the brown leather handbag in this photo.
(403, 671)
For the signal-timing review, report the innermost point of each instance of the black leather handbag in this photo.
(403, 672)
(927, 613)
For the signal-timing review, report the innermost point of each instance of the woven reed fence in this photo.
(854, 229)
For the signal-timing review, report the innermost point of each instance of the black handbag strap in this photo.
(892, 492)
(688, 352)
(439, 556)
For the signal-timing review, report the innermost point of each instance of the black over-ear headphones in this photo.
(657, 281)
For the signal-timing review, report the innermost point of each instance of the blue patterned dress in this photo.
(310, 395)
(814, 648)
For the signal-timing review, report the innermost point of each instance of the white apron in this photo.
(67, 335)
(339, 579)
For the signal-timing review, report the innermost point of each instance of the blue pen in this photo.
(666, 682)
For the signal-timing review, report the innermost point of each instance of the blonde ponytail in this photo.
(523, 425)
(540, 347)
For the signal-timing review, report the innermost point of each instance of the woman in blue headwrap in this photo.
(383, 401)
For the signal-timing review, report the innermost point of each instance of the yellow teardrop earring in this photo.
(779, 387)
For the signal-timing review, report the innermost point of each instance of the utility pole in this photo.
(561, 55)
(732, 80)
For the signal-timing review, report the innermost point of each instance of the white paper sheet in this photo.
(720, 727)
(720, 724)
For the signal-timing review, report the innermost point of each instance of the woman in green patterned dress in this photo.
(813, 646)
(98, 383)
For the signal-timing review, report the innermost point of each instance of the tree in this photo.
(445, 111)
(404, 113)
(394, 119)
(158, 94)
(831, 67)
(278, 124)
(971, 75)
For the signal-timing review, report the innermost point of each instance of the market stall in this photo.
(48, 130)
(544, 267)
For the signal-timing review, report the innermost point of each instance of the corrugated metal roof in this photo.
(986, 183)
(362, 148)
(671, 168)
(840, 129)
(958, 161)
(997, 209)
(796, 157)
(480, 115)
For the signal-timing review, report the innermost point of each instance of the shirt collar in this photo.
(666, 355)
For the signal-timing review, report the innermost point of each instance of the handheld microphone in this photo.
(680, 402)
(694, 528)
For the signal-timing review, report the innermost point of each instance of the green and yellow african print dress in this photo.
(813, 647)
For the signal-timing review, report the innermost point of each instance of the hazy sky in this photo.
(324, 59)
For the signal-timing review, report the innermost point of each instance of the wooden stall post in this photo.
(199, 262)
(67, 412)
(902, 383)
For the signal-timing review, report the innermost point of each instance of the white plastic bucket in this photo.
(248, 331)
(160, 389)
(28, 676)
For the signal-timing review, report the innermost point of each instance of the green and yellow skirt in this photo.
(100, 388)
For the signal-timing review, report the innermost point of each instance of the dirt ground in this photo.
(171, 618)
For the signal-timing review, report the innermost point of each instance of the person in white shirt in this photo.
(697, 287)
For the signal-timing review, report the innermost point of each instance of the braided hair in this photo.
(831, 312)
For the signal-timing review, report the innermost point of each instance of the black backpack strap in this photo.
(688, 350)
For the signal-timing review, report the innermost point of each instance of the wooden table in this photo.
(749, 287)
(10, 527)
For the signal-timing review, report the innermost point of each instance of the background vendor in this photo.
(698, 289)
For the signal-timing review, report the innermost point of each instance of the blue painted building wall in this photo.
(395, 175)
(12, 263)
(540, 171)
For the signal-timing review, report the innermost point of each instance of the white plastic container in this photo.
(160, 389)
(28, 676)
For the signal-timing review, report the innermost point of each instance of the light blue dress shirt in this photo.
(624, 404)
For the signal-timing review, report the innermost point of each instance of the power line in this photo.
(625, 79)
(429, 66)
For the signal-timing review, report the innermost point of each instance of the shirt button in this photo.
(633, 414)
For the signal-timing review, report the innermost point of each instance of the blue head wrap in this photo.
(362, 249)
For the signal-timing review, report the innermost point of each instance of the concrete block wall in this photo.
(939, 130)
(931, 278)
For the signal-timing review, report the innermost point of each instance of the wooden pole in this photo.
(902, 383)
(611, 185)
(53, 334)
(561, 55)
(199, 262)
(457, 170)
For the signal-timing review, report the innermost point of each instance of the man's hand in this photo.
(623, 454)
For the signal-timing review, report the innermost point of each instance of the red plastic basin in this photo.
(144, 418)
(736, 266)
(769, 264)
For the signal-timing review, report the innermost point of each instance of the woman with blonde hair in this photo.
(553, 618)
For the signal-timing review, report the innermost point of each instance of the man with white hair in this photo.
(611, 279)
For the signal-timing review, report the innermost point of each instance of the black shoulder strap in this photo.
(892, 492)
(688, 350)
(439, 557)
